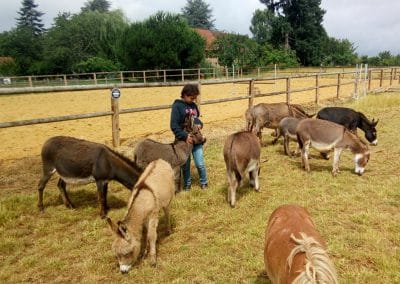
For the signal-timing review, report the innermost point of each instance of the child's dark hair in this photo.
(190, 90)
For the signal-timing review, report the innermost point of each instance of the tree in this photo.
(301, 26)
(164, 41)
(101, 6)
(235, 49)
(262, 24)
(339, 52)
(198, 14)
(30, 17)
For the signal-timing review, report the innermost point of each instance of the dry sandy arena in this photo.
(26, 141)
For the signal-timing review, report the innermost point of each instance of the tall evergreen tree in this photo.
(303, 30)
(96, 5)
(198, 14)
(30, 17)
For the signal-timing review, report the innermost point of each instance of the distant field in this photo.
(210, 243)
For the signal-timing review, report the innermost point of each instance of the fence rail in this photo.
(372, 74)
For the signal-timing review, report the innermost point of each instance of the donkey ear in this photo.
(374, 123)
(123, 231)
(114, 227)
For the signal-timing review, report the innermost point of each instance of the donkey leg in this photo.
(168, 220)
(42, 184)
(336, 158)
(286, 145)
(304, 156)
(101, 197)
(254, 181)
(152, 239)
(62, 187)
(233, 185)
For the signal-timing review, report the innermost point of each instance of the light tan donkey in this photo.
(154, 191)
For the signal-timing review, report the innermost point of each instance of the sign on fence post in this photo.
(115, 94)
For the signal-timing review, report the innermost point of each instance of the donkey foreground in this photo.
(176, 153)
(294, 251)
(269, 115)
(153, 191)
(324, 136)
(352, 120)
(242, 155)
(81, 161)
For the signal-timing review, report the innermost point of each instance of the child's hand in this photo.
(189, 139)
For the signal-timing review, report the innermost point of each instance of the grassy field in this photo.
(212, 243)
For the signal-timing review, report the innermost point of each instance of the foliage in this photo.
(163, 41)
(262, 25)
(384, 58)
(283, 57)
(198, 14)
(235, 49)
(101, 6)
(96, 64)
(30, 17)
(339, 52)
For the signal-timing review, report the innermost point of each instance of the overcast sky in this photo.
(372, 25)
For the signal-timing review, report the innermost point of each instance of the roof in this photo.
(208, 35)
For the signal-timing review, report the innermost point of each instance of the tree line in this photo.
(96, 39)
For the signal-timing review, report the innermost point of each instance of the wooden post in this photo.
(183, 75)
(144, 77)
(65, 80)
(251, 93)
(198, 99)
(381, 79)
(214, 72)
(338, 85)
(95, 78)
(317, 89)
(226, 72)
(391, 77)
(288, 90)
(165, 76)
(355, 95)
(395, 74)
(258, 72)
(198, 74)
(369, 79)
(30, 81)
(121, 76)
(115, 94)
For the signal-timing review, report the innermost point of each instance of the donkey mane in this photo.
(140, 184)
(318, 267)
(125, 159)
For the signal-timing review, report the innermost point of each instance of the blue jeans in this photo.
(198, 158)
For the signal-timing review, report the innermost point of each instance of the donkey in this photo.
(294, 251)
(81, 161)
(269, 115)
(352, 120)
(153, 191)
(324, 136)
(242, 155)
(287, 128)
(176, 153)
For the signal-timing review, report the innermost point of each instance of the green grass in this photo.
(212, 243)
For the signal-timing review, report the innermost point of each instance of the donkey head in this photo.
(361, 161)
(369, 129)
(125, 246)
(193, 130)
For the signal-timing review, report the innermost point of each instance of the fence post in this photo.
(144, 77)
(65, 80)
(94, 78)
(115, 94)
(369, 79)
(30, 81)
(338, 85)
(198, 74)
(165, 76)
(121, 76)
(288, 90)
(391, 77)
(198, 99)
(381, 79)
(317, 89)
(251, 92)
(355, 94)
(183, 75)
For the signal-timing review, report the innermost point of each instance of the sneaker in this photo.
(204, 186)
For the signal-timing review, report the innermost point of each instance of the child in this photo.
(180, 109)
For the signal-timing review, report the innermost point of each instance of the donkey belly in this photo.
(252, 165)
(78, 180)
(323, 146)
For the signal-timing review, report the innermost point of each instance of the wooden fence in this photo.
(392, 76)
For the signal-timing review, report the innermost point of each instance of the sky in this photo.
(371, 25)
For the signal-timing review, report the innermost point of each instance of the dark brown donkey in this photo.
(81, 161)
(324, 136)
(242, 155)
(176, 153)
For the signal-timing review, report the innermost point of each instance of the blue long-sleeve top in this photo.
(179, 111)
